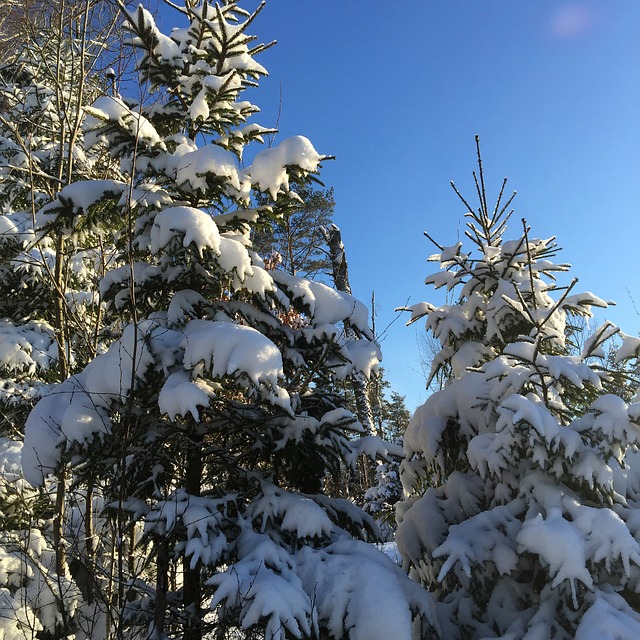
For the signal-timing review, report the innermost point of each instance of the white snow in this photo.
(224, 348)
(79, 197)
(199, 107)
(202, 519)
(629, 348)
(27, 348)
(364, 356)
(266, 584)
(326, 305)
(347, 577)
(76, 409)
(142, 271)
(560, 547)
(180, 395)
(14, 228)
(182, 306)
(194, 167)
(165, 47)
(235, 260)
(269, 168)
(40, 453)
(196, 226)
(113, 109)
(375, 447)
(300, 515)
(609, 618)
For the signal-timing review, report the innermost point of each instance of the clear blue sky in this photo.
(397, 91)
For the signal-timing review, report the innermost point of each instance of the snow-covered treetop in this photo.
(504, 290)
(205, 66)
(196, 76)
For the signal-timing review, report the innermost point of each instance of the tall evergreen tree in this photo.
(521, 473)
(204, 425)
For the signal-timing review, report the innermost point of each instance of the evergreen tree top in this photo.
(505, 290)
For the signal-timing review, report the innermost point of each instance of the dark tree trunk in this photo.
(161, 589)
(341, 278)
(192, 596)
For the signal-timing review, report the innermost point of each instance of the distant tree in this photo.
(395, 416)
(297, 237)
(389, 411)
(521, 473)
(391, 417)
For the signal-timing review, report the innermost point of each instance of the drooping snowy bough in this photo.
(208, 425)
(521, 473)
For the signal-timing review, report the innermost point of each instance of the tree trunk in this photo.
(131, 556)
(88, 522)
(359, 382)
(338, 259)
(63, 372)
(375, 394)
(191, 594)
(341, 278)
(161, 590)
(58, 527)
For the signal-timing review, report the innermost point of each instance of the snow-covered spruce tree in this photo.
(521, 476)
(391, 417)
(204, 423)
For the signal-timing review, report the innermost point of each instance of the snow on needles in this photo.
(197, 226)
(326, 305)
(211, 160)
(269, 170)
(76, 411)
(224, 348)
(269, 167)
(113, 109)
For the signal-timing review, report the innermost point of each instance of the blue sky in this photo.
(397, 91)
